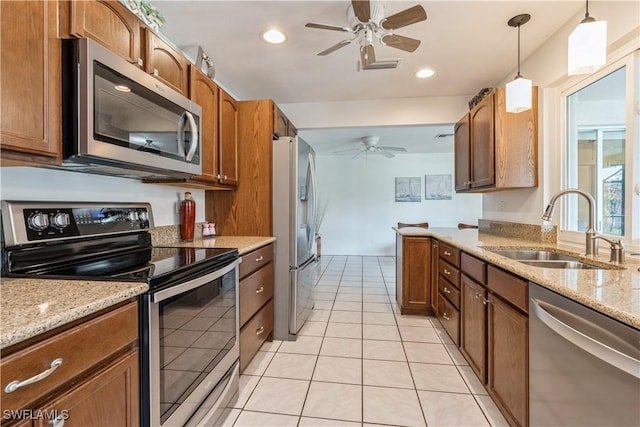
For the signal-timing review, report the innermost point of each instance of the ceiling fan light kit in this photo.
(518, 92)
(273, 36)
(587, 50)
(425, 73)
(368, 23)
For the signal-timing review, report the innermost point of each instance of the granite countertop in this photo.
(615, 292)
(243, 243)
(33, 306)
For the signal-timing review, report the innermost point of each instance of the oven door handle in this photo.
(192, 284)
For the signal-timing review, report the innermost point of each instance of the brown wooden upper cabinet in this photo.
(228, 134)
(111, 24)
(281, 124)
(166, 63)
(494, 149)
(204, 92)
(30, 69)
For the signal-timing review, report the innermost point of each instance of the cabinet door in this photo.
(280, 122)
(109, 23)
(473, 326)
(167, 64)
(228, 139)
(416, 273)
(508, 360)
(482, 143)
(462, 154)
(109, 398)
(30, 82)
(204, 92)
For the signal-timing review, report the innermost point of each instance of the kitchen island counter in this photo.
(613, 290)
(33, 306)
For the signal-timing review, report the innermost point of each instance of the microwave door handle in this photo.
(194, 140)
(181, 122)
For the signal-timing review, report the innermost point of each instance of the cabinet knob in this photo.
(155, 72)
(260, 330)
(57, 421)
(478, 296)
(218, 176)
(447, 272)
(447, 253)
(140, 62)
(446, 290)
(485, 301)
(14, 385)
(225, 177)
(260, 290)
(444, 315)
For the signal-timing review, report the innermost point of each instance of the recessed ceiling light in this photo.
(425, 73)
(274, 36)
(122, 88)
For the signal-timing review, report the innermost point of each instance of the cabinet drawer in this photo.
(450, 292)
(452, 274)
(254, 333)
(255, 290)
(473, 268)
(449, 318)
(80, 348)
(509, 287)
(451, 254)
(255, 260)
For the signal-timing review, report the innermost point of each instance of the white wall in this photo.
(362, 207)
(26, 183)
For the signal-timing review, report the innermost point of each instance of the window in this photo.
(602, 152)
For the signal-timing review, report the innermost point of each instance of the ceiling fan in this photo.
(370, 146)
(367, 21)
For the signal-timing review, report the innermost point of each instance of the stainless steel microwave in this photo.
(119, 120)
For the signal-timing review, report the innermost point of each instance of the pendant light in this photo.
(518, 96)
(587, 46)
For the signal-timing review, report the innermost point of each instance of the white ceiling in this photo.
(467, 43)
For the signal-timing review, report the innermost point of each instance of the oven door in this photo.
(191, 343)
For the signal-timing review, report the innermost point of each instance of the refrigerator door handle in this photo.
(312, 172)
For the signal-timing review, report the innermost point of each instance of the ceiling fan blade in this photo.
(385, 153)
(362, 10)
(401, 42)
(350, 150)
(335, 47)
(327, 27)
(402, 149)
(367, 55)
(359, 154)
(406, 17)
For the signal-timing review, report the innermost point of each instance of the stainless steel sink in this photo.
(544, 259)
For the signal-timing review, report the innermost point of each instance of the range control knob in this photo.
(61, 220)
(132, 216)
(143, 215)
(38, 221)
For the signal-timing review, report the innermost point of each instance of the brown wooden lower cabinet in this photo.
(473, 327)
(254, 333)
(413, 274)
(449, 317)
(508, 351)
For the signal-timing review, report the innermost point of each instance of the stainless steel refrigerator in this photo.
(294, 210)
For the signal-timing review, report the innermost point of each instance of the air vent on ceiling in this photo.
(443, 135)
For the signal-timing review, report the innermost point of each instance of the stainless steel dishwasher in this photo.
(584, 367)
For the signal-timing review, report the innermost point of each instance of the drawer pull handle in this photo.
(486, 301)
(260, 258)
(260, 330)
(447, 272)
(57, 422)
(447, 253)
(446, 290)
(14, 385)
(155, 72)
(140, 62)
(444, 315)
(260, 290)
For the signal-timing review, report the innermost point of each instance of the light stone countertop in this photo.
(33, 306)
(615, 292)
(243, 243)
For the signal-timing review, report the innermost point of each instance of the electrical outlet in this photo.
(501, 205)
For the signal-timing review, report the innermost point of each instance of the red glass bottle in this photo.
(187, 217)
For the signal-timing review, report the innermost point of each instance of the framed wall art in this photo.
(438, 187)
(408, 189)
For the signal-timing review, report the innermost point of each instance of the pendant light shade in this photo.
(518, 92)
(587, 46)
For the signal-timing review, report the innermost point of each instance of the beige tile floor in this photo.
(359, 363)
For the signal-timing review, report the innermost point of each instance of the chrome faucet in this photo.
(591, 243)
